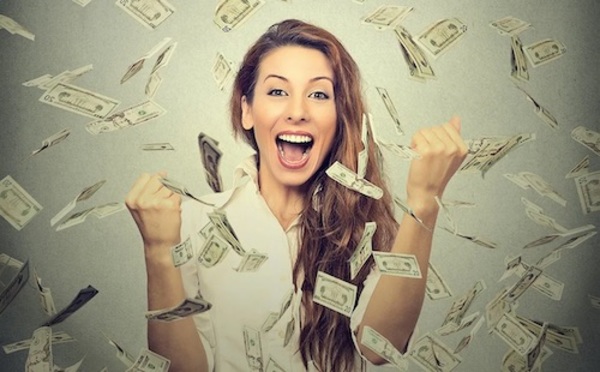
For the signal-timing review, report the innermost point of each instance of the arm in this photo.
(157, 213)
(395, 305)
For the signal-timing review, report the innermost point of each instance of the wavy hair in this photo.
(334, 217)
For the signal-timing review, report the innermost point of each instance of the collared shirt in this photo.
(243, 302)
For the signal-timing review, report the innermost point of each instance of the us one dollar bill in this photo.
(80, 101)
(386, 16)
(418, 65)
(581, 168)
(383, 347)
(397, 264)
(180, 189)
(253, 347)
(588, 138)
(526, 281)
(348, 178)
(510, 25)
(189, 307)
(138, 64)
(211, 157)
(17, 274)
(461, 305)
(99, 211)
(58, 337)
(213, 251)
(16, 205)
(335, 293)
(391, 109)
(433, 355)
(182, 252)
(588, 189)
(518, 62)
(224, 228)
(490, 150)
(441, 35)
(251, 261)
(544, 51)
(436, 287)
(222, 71)
(150, 13)
(230, 14)
(54, 139)
(148, 361)
(40, 358)
(13, 27)
(515, 334)
(363, 250)
(132, 116)
(85, 194)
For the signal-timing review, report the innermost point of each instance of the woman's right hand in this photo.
(156, 211)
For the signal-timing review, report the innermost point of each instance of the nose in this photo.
(297, 110)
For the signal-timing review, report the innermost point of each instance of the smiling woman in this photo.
(297, 101)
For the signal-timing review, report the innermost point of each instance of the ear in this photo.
(247, 121)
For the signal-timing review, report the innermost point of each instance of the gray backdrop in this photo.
(473, 81)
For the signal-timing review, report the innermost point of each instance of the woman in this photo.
(297, 101)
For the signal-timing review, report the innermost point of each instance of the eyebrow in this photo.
(316, 78)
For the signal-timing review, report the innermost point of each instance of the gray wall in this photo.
(473, 82)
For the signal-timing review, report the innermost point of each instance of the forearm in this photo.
(395, 305)
(177, 340)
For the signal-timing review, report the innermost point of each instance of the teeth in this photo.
(295, 138)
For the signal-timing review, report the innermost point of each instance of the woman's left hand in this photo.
(442, 151)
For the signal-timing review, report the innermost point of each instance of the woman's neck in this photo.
(285, 202)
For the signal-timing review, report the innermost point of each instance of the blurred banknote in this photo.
(551, 237)
(132, 116)
(225, 230)
(180, 189)
(150, 13)
(491, 150)
(231, 14)
(466, 340)
(163, 146)
(254, 350)
(536, 214)
(45, 293)
(211, 156)
(16, 205)
(85, 194)
(81, 299)
(588, 189)
(544, 51)
(383, 347)
(251, 261)
(334, 293)
(138, 64)
(40, 358)
(436, 287)
(99, 211)
(13, 276)
(78, 100)
(594, 301)
(148, 361)
(363, 250)
(82, 2)
(188, 307)
(527, 279)
(125, 357)
(587, 137)
(408, 210)
(510, 26)
(441, 35)
(403, 151)
(515, 335)
(155, 80)
(13, 27)
(536, 182)
(433, 355)
(391, 109)
(541, 111)
(386, 16)
(58, 337)
(222, 71)
(580, 169)
(518, 61)
(66, 77)
(182, 252)
(461, 305)
(346, 177)
(52, 140)
(418, 65)
(397, 264)
(213, 251)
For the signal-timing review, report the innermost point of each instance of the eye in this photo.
(277, 92)
(319, 95)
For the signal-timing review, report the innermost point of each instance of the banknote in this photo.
(510, 25)
(513, 362)
(594, 301)
(67, 76)
(211, 157)
(547, 260)
(164, 58)
(578, 231)
(391, 109)
(58, 337)
(46, 299)
(138, 64)
(363, 249)
(452, 327)
(230, 14)
(16, 205)
(80, 101)
(483, 242)
(537, 215)
(496, 308)
(334, 293)
(152, 85)
(54, 139)
(466, 340)
(182, 252)
(13, 27)
(213, 251)
(381, 346)
(40, 358)
(397, 264)
(541, 186)
(150, 13)
(588, 189)
(274, 317)
(100, 211)
(84, 295)
(180, 189)
(436, 287)
(386, 16)
(222, 71)
(363, 155)
(441, 35)
(132, 116)
(273, 366)
(515, 335)
(85, 194)
(251, 261)
(518, 62)
(403, 151)
(161, 146)
(447, 215)
(348, 178)
(224, 228)
(37, 81)
(408, 210)
(580, 169)
(148, 361)
(560, 337)
(491, 150)
(461, 305)
(289, 331)
(433, 355)
(82, 2)
(253, 347)
(544, 51)
(511, 265)
(16, 277)
(588, 138)
(188, 307)
(126, 358)
(544, 284)
(418, 65)
(526, 280)
(542, 112)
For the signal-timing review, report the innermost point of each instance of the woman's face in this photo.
(293, 114)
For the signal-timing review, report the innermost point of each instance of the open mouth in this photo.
(294, 148)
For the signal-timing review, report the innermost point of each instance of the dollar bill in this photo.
(549, 287)
(132, 116)
(594, 301)
(334, 293)
(389, 105)
(436, 287)
(511, 266)
(544, 51)
(433, 355)
(348, 178)
(461, 305)
(150, 13)
(560, 337)
(189, 307)
(363, 249)
(526, 280)
(213, 251)
(253, 347)
(148, 361)
(418, 65)
(78, 100)
(408, 210)
(85, 194)
(289, 331)
(588, 189)
(274, 317)
(222, 70)
(58, 337)
(251, 261)
(273, 366)
(224, 228)
(82, 2)
(152, 85)
(537, 215)
(547, 260)
(126, 358)
(518, 61)
(397, 264)
(66, 77)
(537, 183)
(534, 356)
(578, 231)
(483, 242)
(510, 26)
(515, 335)
(138, 64)
(180, 189)
(13, 27)
(386, 16)
(164, 57)
(491, 150)
(54, 139)
(182, 252)
(513, 362)
(161, 146)
(541, 111)
(441, 35)
(84, 295)
(403, 151)
(40, 358)
(447, 215)
(496, 308)
(466, 340)
(17, 276)
(36, 82)
(211, 157)
(588, 138)
(230, 14)
(46, 299)
(575, 241)
(363, 155)
(465, 322)
(381, 346)
(580, 169)
(99, 211)
(16, 205)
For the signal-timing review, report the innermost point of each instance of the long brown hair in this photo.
(334, 216)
